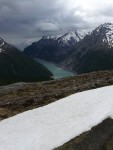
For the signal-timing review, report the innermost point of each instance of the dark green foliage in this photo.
(15, 67)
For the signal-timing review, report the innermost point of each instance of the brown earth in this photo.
(20, 97)
(98, 138)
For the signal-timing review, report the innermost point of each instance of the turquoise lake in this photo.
(57, 71)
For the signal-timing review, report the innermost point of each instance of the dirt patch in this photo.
(98, 138)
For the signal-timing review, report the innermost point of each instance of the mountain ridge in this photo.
(77, 51)
(94, 52)
(54, 48)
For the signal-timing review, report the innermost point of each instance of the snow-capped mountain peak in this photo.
(109, 34)
(51, 37)
(106, 32)
(55, 48)
(72, 36)
(107, 26)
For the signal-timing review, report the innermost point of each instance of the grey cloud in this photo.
(20, 19)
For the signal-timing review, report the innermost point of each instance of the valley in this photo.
(56, 75)
(57, 71)
(77, 57)
(77, 51)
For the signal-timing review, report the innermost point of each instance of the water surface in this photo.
(57, 71)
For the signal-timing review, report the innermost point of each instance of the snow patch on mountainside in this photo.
(53, 125)
(52, 37)
(74, 36)
(69, 37)
(109, 34)
(71, 34)
(1, 45)
(1, 50)
(106, 29)
(83, 32)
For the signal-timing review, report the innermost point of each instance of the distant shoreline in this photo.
(57, 71)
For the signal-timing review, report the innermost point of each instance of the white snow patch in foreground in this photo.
(50, 126)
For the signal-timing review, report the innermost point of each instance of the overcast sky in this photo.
(27, 19)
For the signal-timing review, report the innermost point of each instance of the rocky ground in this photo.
(98, 138)
(20, 97)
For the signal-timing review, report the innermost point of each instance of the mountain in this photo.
(21, 45)
(77, 51)
(15, 66)
(54, 48)
(94, 52)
